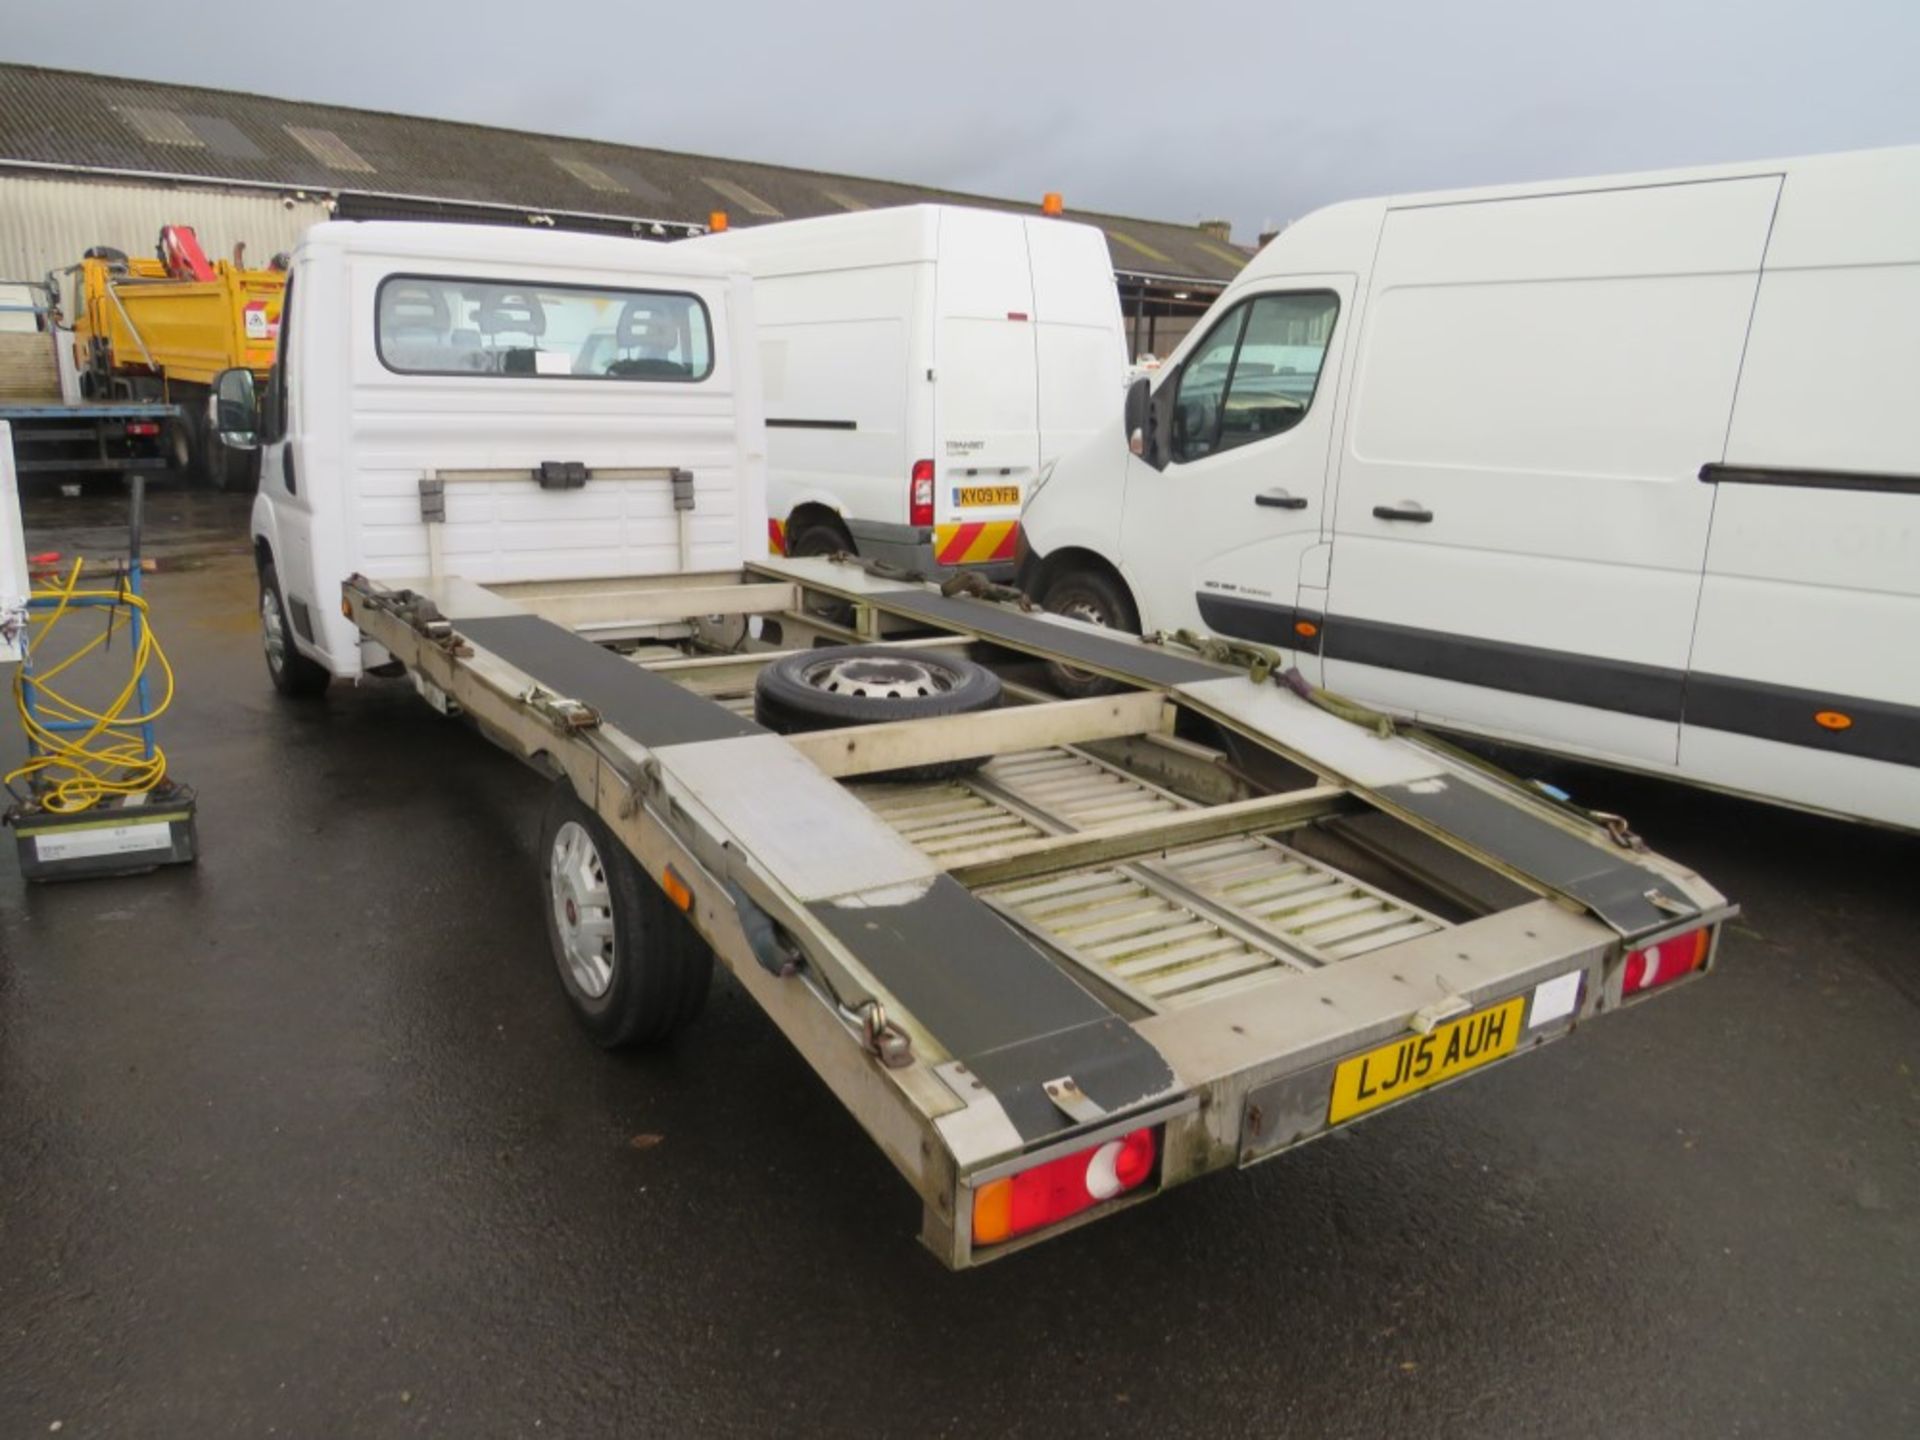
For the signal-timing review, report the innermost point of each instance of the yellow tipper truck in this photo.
(159, 330)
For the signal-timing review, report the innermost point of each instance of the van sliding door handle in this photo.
(1406, 510)
(1280, 500)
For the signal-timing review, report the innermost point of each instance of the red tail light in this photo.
(920, 497)
(1057, 1189)
(143, 427)
(1655, 965)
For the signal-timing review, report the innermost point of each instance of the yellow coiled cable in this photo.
(73, 770)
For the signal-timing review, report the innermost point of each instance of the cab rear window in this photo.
(440, 325)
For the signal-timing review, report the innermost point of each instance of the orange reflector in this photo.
(1833, 720)
(993, 1212)
(676, 889)
(1306, 628)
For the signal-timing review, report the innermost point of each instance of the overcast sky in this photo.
(1255, 112)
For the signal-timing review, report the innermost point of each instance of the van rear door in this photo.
(986, 412)
(1519, 530)
(1080, 344)
(1805, 681)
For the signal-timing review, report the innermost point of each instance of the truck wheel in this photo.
(1096, 598)
(840, 685)
(634, 969)
(293, 674)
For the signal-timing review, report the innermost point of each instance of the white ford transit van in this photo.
(919, 366)
(1626, 468)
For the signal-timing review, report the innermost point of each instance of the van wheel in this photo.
(1098, 599)
(633, 967)
(293, 674)
(818, 537)
(822, 538)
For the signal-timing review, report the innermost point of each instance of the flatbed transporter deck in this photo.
(1200, 910)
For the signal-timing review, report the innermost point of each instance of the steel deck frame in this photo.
(991, 1022)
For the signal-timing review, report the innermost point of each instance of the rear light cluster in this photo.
(143, 427)
(1656, 965)
(920, 497)
(1054, 1191)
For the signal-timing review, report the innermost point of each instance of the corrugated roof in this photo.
(65, 117)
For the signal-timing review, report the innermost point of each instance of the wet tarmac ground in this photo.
(302, 1141)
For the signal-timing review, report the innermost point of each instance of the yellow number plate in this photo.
(1408, 1066)
(989, 495)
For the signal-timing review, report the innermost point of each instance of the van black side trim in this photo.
(1810, 479)
(1872, 729)
(1259, 620)
(1854, 725)
(1653, 691)
(786, 424)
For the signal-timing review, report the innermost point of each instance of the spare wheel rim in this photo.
(880, 677)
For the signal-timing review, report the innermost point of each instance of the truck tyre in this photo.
(838, 685)
(293, 674)
(632, 966)
(1097, 598)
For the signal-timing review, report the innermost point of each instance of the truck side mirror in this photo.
(1139, 414)
(233, 409)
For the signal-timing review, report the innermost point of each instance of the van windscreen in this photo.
(439, 325)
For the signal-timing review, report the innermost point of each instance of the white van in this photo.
(1625, 468)
(919, 366)
(513, 406)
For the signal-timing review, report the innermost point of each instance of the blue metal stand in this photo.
(130, 584)
(122, 834)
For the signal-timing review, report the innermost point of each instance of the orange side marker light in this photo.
(676, 889)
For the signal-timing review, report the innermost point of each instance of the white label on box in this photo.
(1554, 999)
(106, 840)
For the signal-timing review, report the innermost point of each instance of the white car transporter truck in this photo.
(1056, 956)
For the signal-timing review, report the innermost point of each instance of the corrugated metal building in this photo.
(95, 160)
(47, 221)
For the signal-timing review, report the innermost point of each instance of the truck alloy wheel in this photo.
(632, 966)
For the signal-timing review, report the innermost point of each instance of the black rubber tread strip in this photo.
(999, 1005)
(650, 708)
(1150, 665)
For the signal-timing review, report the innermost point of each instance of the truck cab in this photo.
(475, 358)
